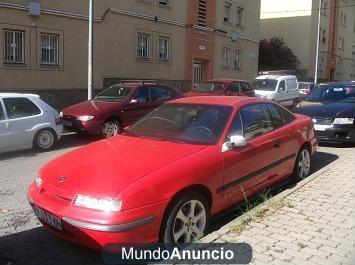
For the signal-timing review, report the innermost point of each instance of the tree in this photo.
(274, 54)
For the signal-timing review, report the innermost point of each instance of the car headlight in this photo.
(98, 204)
(85, 118)
(61, 114)
(38, 182)
(343, 121)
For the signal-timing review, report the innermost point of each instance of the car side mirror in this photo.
(234, 142)
(134, 101)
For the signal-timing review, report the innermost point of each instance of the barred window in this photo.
(143, 46)
(226, 56)
(237, 59)
(164, 48)
(14, 46)
(49, 49)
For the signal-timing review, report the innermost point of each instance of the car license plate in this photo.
(67, 123)
(322, 128)
(48, 218)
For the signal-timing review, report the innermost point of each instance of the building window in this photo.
(237, 59)
(143, 46)
(240, 13)
(14, 46)
(226, 56)
(343, 44)
(226, 13)
(164, 48)
(49, 49)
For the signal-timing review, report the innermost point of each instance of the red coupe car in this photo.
(223, 87)
(116, 107)
(169, 173)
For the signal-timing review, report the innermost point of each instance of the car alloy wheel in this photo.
(110, 128)
(187, 221)
(190, 222)
(44, 140)
(303, 164)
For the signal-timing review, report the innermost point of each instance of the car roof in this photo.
(226, 80)
(12, 95)
(276, 77)
(344, 83)
(216, 100)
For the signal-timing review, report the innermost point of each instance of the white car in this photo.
(27, 122)
(280, 88)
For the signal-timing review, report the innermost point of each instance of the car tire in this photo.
(44, 139)
(303, 164)
(183, 226)
(110, 128)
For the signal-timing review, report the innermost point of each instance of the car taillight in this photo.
(58, 120)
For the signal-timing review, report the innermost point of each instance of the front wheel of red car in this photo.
(187, 220)
(303, 165)
(110, 128)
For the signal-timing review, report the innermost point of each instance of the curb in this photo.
(226, 228)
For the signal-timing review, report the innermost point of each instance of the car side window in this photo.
(2, 114)
(142, 95)
(280, 116)
(234, 88)
(236, 127)
(291, 84)
(282, 86)
(20, 108)
(244, 87)
(256, 120)
(158, 93)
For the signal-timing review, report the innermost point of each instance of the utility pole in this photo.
(318, 36)
(90, 49)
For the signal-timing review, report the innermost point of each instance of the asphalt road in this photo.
(24, 241)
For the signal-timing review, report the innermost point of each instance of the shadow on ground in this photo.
(68, 141)
(39, 247)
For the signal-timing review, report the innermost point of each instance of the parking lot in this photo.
(24, 241)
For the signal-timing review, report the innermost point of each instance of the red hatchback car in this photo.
(116, 107)
(223, 87)
(164, 177)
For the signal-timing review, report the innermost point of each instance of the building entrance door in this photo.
(198, 73)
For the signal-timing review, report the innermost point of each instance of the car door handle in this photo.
(277, 144)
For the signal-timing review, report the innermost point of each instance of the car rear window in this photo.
(20, 107)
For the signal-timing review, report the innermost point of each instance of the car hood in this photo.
(104, 168)
(91, 107)
(326, 109)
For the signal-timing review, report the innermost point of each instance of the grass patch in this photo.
(301, 246)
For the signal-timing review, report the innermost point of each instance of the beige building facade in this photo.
(43, 44)
(297, 23)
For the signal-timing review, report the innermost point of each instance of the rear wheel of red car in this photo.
(44, 140)
(303, 164)
(110, 128)
(187, 220)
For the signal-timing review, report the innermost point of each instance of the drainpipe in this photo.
(90, 49)
(318, 35)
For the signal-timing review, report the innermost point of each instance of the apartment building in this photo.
(297, 23)
(43, 44)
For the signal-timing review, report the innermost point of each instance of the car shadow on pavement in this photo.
(38, 246)
(68, 141)
(319, 161)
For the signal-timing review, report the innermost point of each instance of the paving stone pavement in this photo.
(315, 224)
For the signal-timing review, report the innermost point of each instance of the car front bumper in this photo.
(72, 124)
(96, 229)
(337, 134)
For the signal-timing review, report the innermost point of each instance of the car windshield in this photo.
(114, 94)
(183, 123)
(332, 93)
(209, 87)
(265, 84)
(303, 85)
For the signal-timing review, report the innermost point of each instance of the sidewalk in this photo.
(314, 223)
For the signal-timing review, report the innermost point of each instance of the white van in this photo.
(280, 88)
